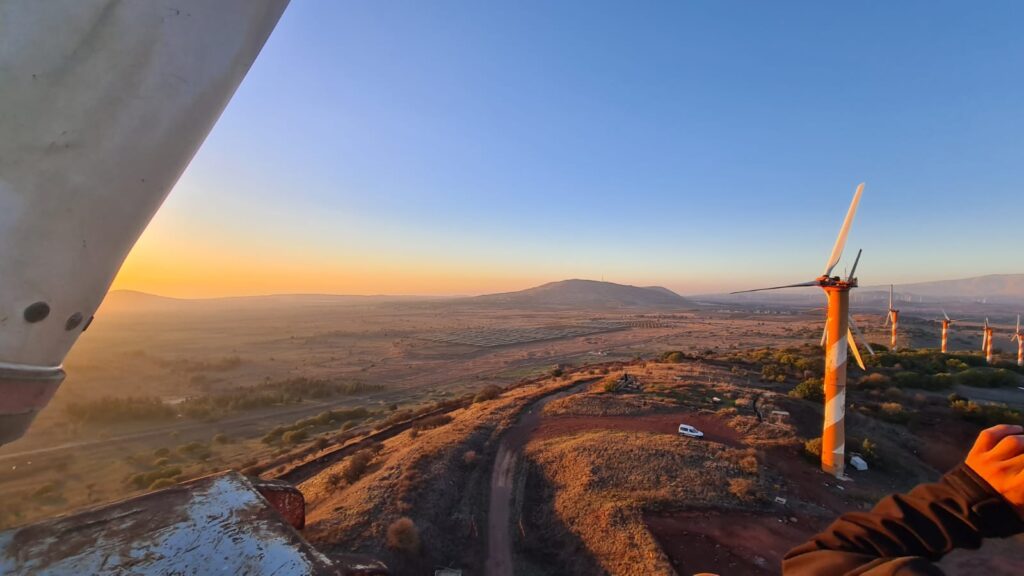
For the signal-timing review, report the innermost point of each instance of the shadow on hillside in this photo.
(544, 543)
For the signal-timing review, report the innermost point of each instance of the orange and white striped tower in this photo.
(946, 321)
(838, 335)
(988, 342)
(945, 334)
(1019, 337)
(833, 432)
(894, 318)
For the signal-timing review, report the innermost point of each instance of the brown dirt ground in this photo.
(734, 543)
(714, 429)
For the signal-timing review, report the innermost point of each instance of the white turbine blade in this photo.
(890, 296)
(837, 249)
(853, 347)
(1018, 323)
(860, 336)
(810, 283)
(888, 316)
(946, 315)
(824, 333)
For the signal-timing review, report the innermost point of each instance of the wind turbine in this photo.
(1019, 337)
(838, 335)
(945, 329)
(894, 317)
(986, 342)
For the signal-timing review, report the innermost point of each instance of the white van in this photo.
(687, 430)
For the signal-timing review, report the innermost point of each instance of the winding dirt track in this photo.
(499, 517)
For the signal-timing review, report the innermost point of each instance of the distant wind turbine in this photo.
(1019, 337)
(894, 317)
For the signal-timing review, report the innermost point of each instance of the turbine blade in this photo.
(824, 333)
(860, 336)
(854, 269)
(888, 316)
(946, 315)
(811, 283)
(853, 347)
(890, 296)
(1018, 323)
(837, 249)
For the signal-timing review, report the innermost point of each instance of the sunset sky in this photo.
(384, 147)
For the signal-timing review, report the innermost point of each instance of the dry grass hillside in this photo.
(588, 492)
(436, 477)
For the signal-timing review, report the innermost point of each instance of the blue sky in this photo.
(460, 147)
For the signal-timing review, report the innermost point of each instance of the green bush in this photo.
(986, 414)
(812, 389)
(986, 378)
(812, 448)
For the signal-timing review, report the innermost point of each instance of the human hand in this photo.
(998, 457)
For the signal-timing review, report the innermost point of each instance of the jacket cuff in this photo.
(996, 517)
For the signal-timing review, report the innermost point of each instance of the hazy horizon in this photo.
(468, 149)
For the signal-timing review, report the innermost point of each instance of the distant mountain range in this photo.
(994, 293)
(588, 294)
(991, 288)
(581, 294)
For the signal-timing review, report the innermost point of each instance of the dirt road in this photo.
(499, 517)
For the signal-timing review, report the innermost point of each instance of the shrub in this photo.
(673, 357)
(357, 465)
(321, 443)
(986, 378)
(221, 438)
(196, 450)
(869, 450)
(161, 483)
(160, 452)
(403, 536)
(892, 412)
(749, 464)
(113, 410)
(161, 462)
(413, 433)
(956, 365)
(48, 490)
(489, 392)
(433, 421)
(894, 393)
(294, 436)
(743, 488)
(874, 380)
(986, 414)
(470, 457)
(811, 389)
(812, 448)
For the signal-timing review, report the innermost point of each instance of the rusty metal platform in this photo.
(218, 524)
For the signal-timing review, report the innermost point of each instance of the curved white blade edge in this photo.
(853, 347)
(837, 249)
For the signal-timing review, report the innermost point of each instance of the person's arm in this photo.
(982, 498)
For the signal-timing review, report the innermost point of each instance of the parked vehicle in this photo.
(687, 430)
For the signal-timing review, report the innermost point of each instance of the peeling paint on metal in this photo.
(218, 524)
